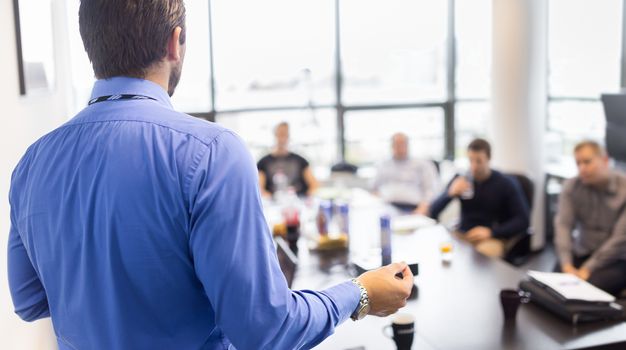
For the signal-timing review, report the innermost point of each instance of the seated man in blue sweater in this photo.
(492, 205)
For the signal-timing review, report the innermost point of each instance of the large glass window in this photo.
(312, 132)
(193, 91)
(393, 51)
(273, 53)
(473, 23)
(573, 121)
(584, 61)
(472, 121)
(368, 133)
(473, 27)
(584, 47)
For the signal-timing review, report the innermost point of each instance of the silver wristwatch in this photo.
(364, 303)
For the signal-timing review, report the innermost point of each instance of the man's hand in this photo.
(583, 273)
(422, 209)
(478, 233)
(458, 186)
(386, 292)
(569, 268)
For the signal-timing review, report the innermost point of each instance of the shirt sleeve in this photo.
(564, 223)
(441, 202)
(27, 292)
(303, 162)
(235, 260)
(612, 249)
(262, 164)
(514, 200)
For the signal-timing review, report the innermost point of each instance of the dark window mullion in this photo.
(449, 128)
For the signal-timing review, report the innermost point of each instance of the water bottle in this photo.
(343, 218)
(323, 217)
(385, 239)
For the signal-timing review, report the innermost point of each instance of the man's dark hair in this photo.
(480, 145)
(125, 37)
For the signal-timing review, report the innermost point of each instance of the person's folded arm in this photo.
(612, 249)
(28, 294)
(235, 260)
(310, 180)
(262, 184)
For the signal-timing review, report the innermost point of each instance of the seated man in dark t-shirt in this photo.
(492, 205)
(282, 169)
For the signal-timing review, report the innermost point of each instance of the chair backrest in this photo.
(520, 245)
(614, 107)
(528, 187)
(343, 167)
(437, 166)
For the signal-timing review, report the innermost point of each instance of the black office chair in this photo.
(614, 105)
(344, 167)
(518, 247)
(437, 166)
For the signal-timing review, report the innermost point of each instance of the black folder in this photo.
(573, 311)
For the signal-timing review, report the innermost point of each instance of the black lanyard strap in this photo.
(119, 97)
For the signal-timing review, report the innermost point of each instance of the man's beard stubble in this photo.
(174, 79)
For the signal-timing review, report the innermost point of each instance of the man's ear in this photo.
(174, 48)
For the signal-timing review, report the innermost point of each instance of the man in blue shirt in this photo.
(137, 227)
(492, 205)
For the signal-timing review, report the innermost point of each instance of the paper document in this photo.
(408, 223)
(571, 287)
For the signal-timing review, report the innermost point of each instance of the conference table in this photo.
(457, 306)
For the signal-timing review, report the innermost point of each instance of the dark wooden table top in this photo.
(458, 304)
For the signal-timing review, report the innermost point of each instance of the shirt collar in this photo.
(611, 187)
(132, 86)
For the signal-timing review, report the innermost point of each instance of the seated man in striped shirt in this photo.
(590, 226)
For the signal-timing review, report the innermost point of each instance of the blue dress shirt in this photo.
(137, 227)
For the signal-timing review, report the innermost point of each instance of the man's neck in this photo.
(603, 182)
(280, 152)
(484, 177)
(159, 77)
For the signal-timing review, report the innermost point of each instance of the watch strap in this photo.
(363, 301)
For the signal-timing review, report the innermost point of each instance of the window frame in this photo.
(557, 98)
(447, 104)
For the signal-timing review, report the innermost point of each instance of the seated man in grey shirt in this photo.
(405, 182)
(591, 221)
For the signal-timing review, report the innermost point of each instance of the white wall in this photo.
(22, 121)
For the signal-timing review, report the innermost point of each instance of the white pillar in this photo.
(519, 95)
